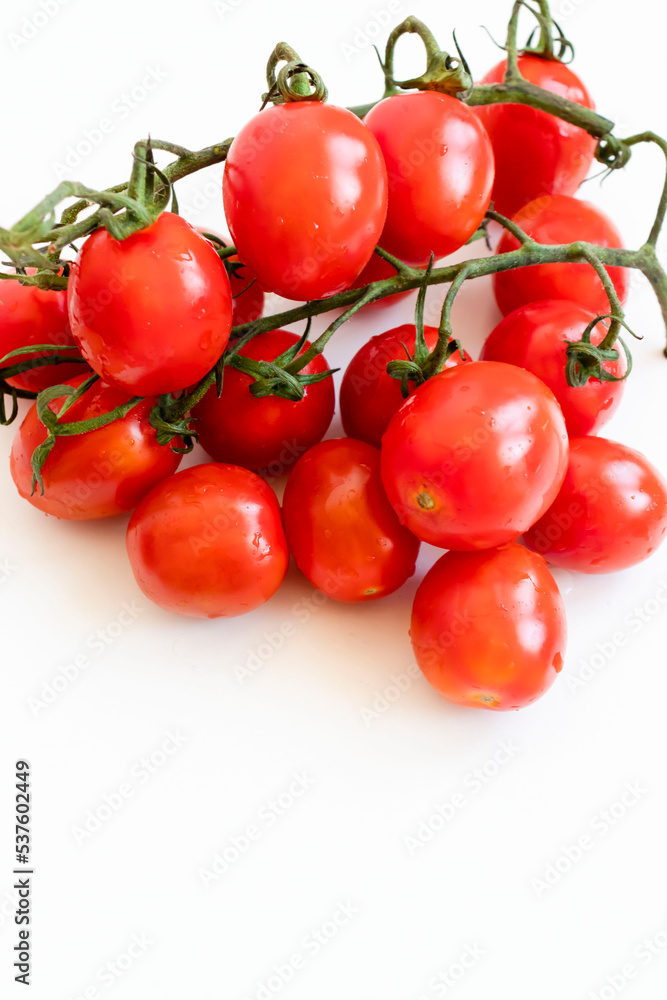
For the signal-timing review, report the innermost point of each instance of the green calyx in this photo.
(167, 422)
(40, 237)
(284, 376)
(587, 361)
(295, 80)
(37, 240)
(423, 364)
(444, 73)
(546, 40)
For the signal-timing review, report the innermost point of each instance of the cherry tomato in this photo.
(341, 530)
(30, 315)
(369, 397)
(247, 293)
(475, 455)
(534, 337)
(488, 628)
(611, 511)
(440, 166)
(305, 194)
(264, 432)
(559, 219)
(208, 542)
(93, 475)
(151, 313)
(536, 153)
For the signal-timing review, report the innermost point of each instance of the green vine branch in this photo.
(38, 239)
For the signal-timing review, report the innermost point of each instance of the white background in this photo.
(376, 770)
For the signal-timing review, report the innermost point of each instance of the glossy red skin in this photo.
(610, 513)
(265, 432)
(475, 456)
(440, 168)
(533, 337)
(30, 315)
(305, 195)
(341, 530)
(151, 313)
(98, 474)
(535, 152)
(247, 294)
(488, 628)
(208, 542)
(560, 219)
(369, 397)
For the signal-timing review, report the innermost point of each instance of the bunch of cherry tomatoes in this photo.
(469, 459)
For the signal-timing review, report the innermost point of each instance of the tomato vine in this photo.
(38, 240)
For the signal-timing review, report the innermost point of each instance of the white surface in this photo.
(373, 778)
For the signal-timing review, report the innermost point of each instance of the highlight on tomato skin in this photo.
(535, 153)
(553, 219)
(341, 529)
(149, 344)
(31, 315)
(610, 513)
(305, 197)
(208, 542)
(98, 474)
(247, 291)
(440, 168)
(475, 455)
(534, 336)
(369, 396)
(488, 628)
(266, 432)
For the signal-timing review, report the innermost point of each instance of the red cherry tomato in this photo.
(305, 194)
(208, 542)
(247, 293)
(93, 475)
(475, 456)
(534, 337)
(267, 431)
(611, 511)
(369, 397)
(560, 219)
(151, 313)
(536, 154)
(440, 166)
(341, 530)
(488, 628)
(30, 315)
